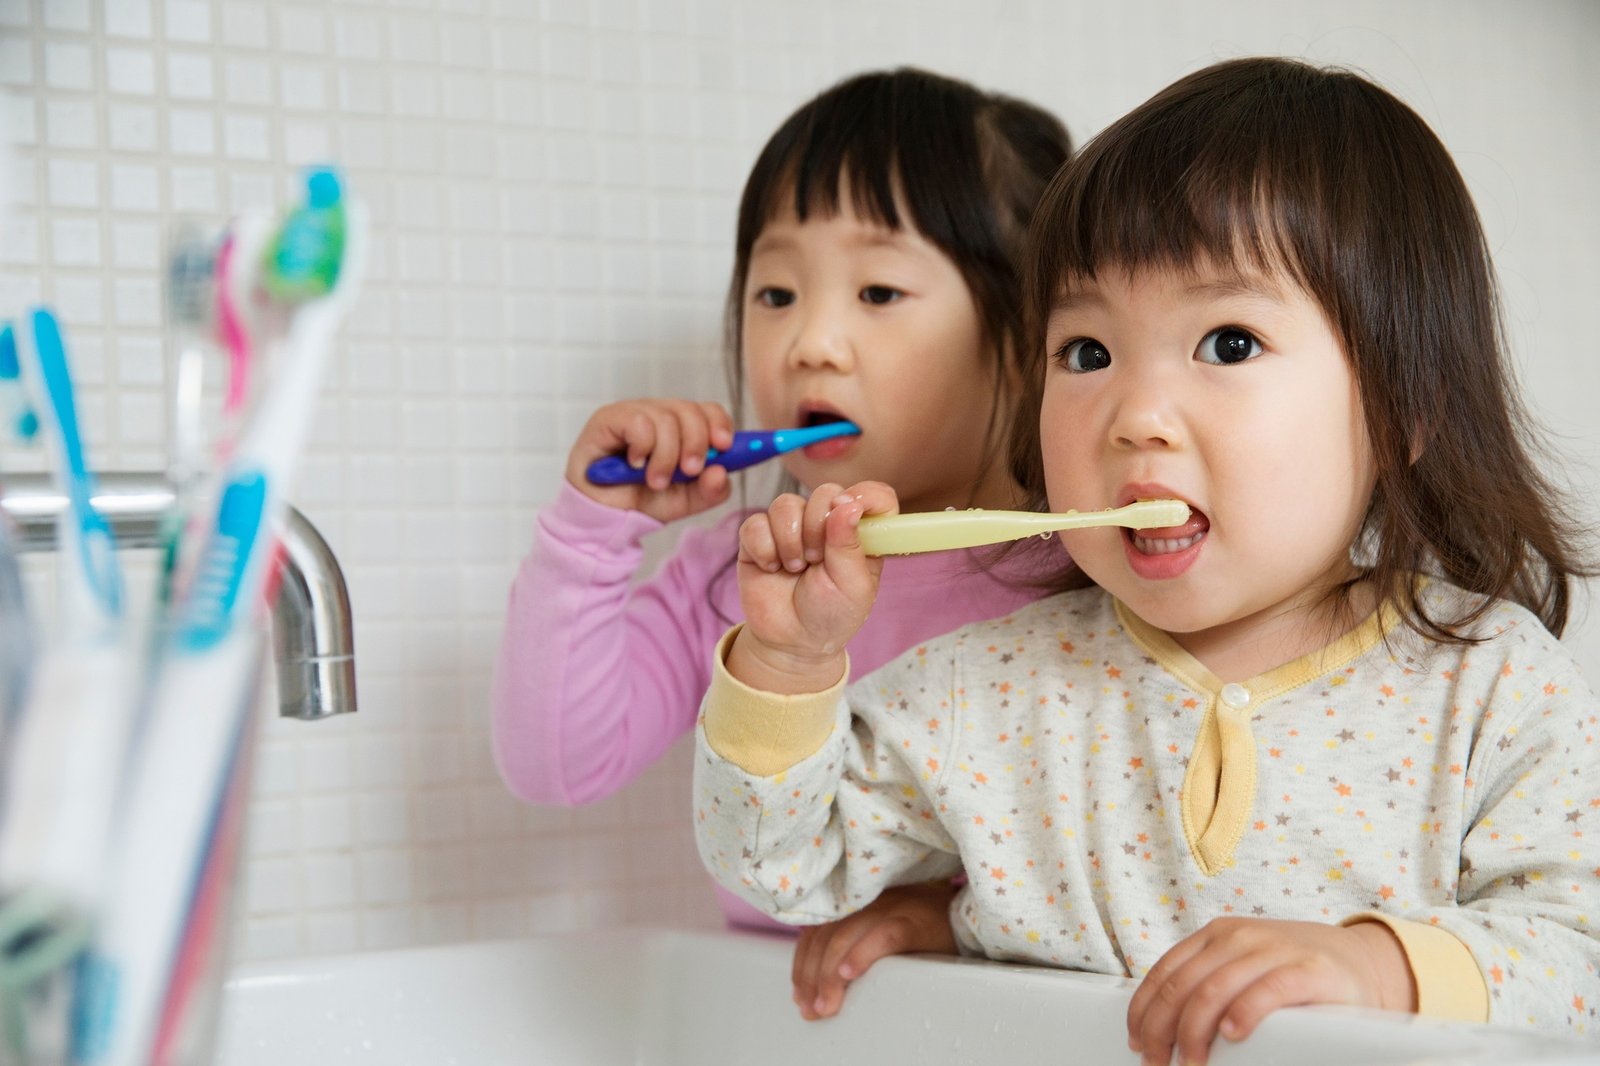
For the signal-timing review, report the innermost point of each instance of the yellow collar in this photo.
(1274, 682)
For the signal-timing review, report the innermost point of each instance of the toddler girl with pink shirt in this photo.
(875, 280)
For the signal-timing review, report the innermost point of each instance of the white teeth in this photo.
(1166, 545)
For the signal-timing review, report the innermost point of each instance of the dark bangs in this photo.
(912, 131)
(963, 166)
(1261, 166)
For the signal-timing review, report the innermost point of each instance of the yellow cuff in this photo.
(764, 733)
(1449, 983)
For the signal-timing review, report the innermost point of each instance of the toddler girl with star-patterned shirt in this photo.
(1317, 744)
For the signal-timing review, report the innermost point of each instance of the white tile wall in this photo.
(554, 187)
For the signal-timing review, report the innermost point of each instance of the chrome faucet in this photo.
(311, 621)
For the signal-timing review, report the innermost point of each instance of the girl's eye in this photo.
(880, 294)
(1227, 346)
(1084, 356)
(771, 297)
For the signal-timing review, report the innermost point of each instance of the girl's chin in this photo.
(1171, 605)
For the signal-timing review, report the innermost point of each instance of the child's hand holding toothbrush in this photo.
(658, 435)
(806, 586)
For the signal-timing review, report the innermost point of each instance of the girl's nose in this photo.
(1146, 417)
(822, 342)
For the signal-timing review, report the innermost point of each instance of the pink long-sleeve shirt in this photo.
(597, 674)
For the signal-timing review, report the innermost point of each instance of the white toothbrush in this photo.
(70, 742)
(933, 531)
(203, 695)
(68, 746)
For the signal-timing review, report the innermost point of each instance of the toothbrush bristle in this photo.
(1156, 514)
(191, 276)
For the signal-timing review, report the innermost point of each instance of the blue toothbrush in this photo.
(99, 574)
(749, 448)
(19, 417)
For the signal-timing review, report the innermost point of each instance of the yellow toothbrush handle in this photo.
(932, 531)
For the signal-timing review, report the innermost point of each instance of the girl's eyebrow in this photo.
(883, 238)
(1254, 286)
(1076, 300)
(891, 240)
(769, 243)
(1251, 285)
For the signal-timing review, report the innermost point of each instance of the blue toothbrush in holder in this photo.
(749, 448)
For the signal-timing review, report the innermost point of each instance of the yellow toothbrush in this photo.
(933, 531)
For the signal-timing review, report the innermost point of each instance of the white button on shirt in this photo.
(1235, 696)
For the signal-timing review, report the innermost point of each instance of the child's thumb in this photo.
(842, 531)
(850, 568)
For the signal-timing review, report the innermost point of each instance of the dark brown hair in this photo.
(966, 168)
(1277, 166)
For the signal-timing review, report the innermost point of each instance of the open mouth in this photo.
(814, 413)
(818, 417)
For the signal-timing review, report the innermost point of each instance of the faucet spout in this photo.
(312, 629)
(312, 625)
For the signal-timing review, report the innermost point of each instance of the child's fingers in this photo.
(1195, 994)
(1284, 986)
(891, 937)
(756, 545)
(813, 527)
(798, 970)
(719, 424)
(1156, 982)
(896, 925)
(1202, 1007)
(694, 435)
(875, 498)
(710, 489)
(808, 953)
(843, 944)
(634, 432)
(847, 565)
(665, 450)
(787, 515)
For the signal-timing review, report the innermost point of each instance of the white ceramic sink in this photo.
(666, 998)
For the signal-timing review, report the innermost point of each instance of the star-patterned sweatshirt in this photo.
(1108, 796)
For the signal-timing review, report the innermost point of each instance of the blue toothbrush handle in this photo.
(614, 470)
(748, 448)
